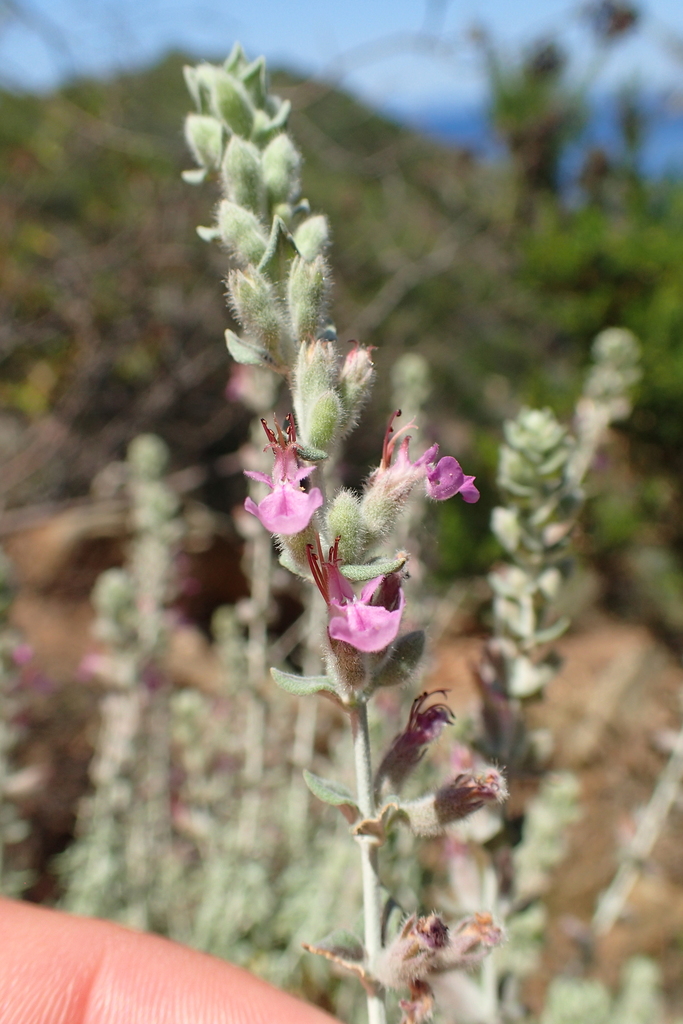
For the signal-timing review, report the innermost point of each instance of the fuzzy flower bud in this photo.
(426, 946)
(408, 748)
(255, 304)
(355, 381)
(204, 136)
(307, 293)
(344, 521)
(242, 176)
(312, 236)
(468, 792)
(231, 103)
(281, 169)
(242, 233)
(316, 403)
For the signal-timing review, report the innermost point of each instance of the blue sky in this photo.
(369, 45)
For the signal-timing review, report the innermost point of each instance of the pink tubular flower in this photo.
(443, 478)
(289, 508)
(369, 623)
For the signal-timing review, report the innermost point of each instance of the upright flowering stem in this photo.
(372, 904)
(279, 292)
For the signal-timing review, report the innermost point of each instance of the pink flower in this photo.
(369, 623)
(443, 479)
(289, 509)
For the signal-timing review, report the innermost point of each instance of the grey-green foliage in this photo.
(13, 828)
(585, 1001)
(544, 841)
(279, 287)
(122, 860)
(540, 475)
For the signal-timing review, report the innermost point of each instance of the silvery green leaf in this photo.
(267, 126)
(247, 352)
(254, 80)
(546, 636)
(505, 526)
(549, 582)
(236, 59)
(206, 234)
(343, 944)
(312, 236)
(195, 177)
(303, 686)
(334, 793)
(287, 561)
(310, 454)
(279, 251)
(371, 570)
(345, 950)
(231, 103)
(527, 678)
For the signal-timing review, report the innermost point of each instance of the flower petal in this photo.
(446, 478)
(366, 627)
(262, 478)
(468, 492)
(287, 510)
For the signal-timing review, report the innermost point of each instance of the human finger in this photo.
(59, 969)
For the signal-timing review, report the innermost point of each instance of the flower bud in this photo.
(242, 233)
(204, 136)
(281, 169)
(255, 303)
(324, 420)
(469, 791)
(312, 237)
(307, 293)
(230, 102)
(355, 381)
(314, 379)
(242, 176)
(344, 521)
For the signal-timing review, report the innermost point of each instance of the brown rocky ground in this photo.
(610, 709)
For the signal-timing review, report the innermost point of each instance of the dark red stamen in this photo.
(269, 433)
(388, 447)
(316, 563)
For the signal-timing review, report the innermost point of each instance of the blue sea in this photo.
(661, 153)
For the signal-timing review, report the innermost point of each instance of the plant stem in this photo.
(372, 905)
(613, 900)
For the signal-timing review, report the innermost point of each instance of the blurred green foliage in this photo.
(112, 323)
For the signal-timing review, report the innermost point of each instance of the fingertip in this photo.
(60, 969)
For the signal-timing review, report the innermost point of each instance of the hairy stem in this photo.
(372, 905)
